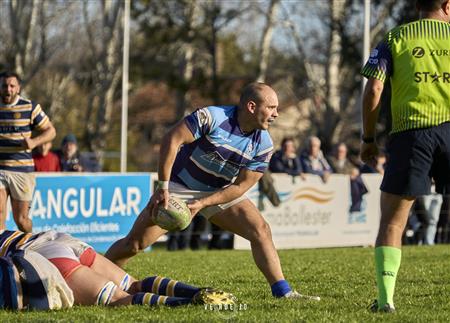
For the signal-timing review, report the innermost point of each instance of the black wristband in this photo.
(368, 140)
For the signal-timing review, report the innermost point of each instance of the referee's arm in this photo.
(371, 108)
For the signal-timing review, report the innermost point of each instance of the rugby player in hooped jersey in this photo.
(210, 159)
(23, 126)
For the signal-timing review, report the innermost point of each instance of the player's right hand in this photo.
(160, 196)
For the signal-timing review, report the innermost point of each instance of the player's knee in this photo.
(261, 232)
(134, 246)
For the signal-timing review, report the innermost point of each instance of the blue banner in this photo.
(98, 209)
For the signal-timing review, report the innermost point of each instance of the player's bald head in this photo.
(258, 92)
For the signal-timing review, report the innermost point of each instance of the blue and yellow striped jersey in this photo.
(17, 121)
(11, 241)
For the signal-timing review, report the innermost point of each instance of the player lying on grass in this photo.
(94, 280)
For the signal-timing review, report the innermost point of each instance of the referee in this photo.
(415, 57)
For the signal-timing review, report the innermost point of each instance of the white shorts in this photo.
(186, 194)
(50, 242)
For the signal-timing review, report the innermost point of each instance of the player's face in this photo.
(9, 89)
(267, 110)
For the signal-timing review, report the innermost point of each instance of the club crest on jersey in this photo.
(17, 115)
(202, 116)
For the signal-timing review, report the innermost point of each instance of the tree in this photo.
(104, 33)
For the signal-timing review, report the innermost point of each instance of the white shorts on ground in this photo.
(186, 194)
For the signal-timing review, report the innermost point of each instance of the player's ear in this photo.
(251, 106)
(446, 7)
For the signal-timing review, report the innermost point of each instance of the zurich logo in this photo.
(418, 52)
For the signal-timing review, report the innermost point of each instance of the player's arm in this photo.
(47, 133)
(371, 109)
(170, 144)
(244, 181)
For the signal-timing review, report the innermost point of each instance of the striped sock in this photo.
(166, 286)
(106, 293)
(153, 299)
(125, 283)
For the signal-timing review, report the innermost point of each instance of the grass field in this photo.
(343, 277)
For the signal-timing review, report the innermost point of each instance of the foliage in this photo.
(197, 53)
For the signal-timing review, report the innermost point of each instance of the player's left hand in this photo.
(28, 142)
(195, 206)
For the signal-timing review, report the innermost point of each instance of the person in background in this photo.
(313, 160)
(286, 160)
(23, 126)
(342, 165)
(70, 157)
(339, 162)
(45, 160)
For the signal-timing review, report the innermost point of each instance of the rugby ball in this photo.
(176, 217)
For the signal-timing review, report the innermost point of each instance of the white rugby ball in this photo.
(176, 217)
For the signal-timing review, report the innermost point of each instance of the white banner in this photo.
(313, 214)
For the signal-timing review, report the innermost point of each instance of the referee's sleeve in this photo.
(379, 64)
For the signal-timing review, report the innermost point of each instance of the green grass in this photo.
(343, 277)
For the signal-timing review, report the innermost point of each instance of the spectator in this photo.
(45, 160)
(19, 119)
(286, 160)
(340, 163)
(313, 161)
(71, 159)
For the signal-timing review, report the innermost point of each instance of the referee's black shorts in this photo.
(416, 156)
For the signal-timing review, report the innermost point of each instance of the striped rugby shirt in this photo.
(220, 150)
(11, 241)
(416, 59)
(21, 117)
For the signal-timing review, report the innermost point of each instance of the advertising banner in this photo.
(98, 209)
(316, 214)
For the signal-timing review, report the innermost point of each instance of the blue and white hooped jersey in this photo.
(220, 150)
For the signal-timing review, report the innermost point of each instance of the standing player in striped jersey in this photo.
(415, 57)
(19, 117)
(210, 159)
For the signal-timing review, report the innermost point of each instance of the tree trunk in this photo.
(266, 39)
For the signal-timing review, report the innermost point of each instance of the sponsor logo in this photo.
(227, 166)
(374, 53)
(418, 52)
(314, 195)
(388, 273)
(432, 77)
(373, 57)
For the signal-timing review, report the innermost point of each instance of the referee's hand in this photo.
(369, 153)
